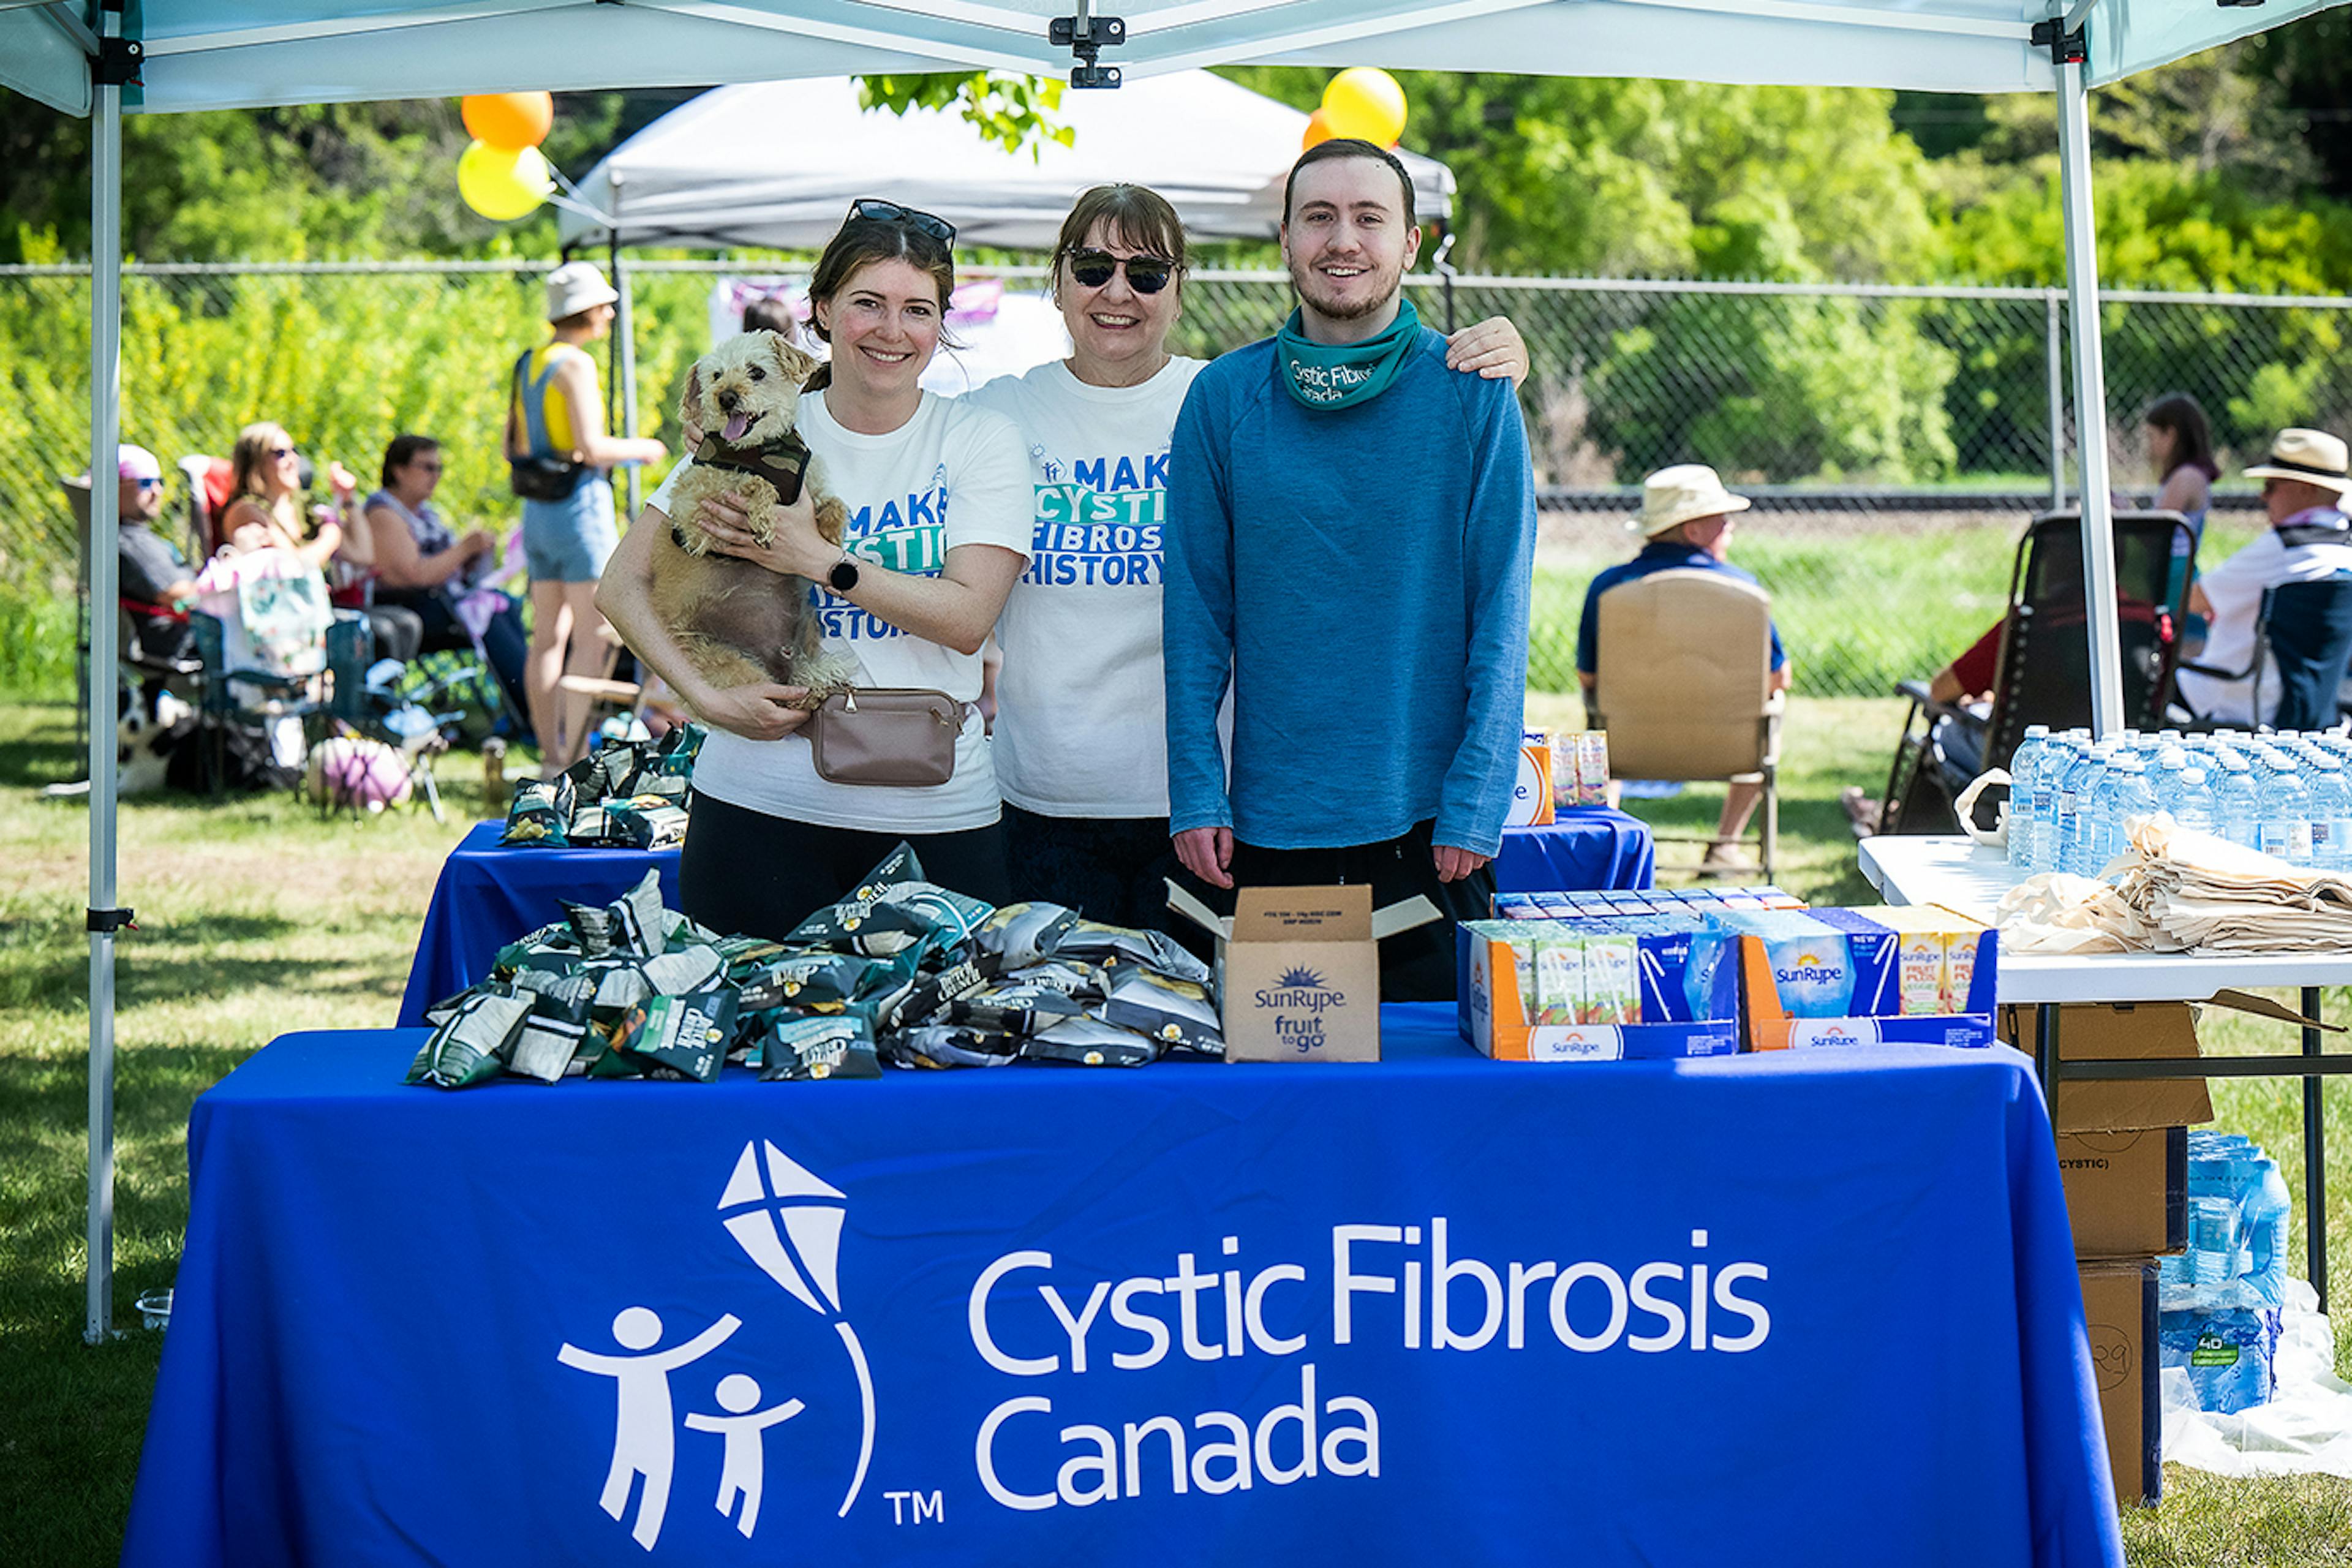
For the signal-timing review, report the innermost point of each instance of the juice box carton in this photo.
(1607, 989)
(1931, 986)
(1531, 794)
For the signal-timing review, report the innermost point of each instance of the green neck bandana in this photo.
(1338, 376)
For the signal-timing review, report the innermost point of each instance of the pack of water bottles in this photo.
(2219, 1301)
(2286, 794)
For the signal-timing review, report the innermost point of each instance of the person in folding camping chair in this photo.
(2034, 667)
(2280, 610)
(1685, 669)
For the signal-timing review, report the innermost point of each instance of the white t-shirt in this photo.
(2234, 589)
(1082, 718)
(898, 488)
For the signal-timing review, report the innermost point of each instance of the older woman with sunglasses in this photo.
(910, 594)
(1081, 728)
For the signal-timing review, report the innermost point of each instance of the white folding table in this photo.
(1969, 879)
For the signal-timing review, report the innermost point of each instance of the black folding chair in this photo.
(2306, 630)
(2042, 672)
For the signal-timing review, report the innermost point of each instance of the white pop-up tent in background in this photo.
(101, 58)
(777, 164)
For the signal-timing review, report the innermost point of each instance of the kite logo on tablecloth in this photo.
(788, 1221)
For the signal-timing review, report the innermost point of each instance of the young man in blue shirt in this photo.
(1686, 520)
(1352, 529)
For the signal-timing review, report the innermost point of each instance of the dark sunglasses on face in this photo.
(279, 454)
(1145, 274)
(150, 484)
(876, 210)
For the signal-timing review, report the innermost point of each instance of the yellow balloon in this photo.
(503, 182)
(1365, 101)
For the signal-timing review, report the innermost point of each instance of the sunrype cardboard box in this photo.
(1684, 1012)
(1299, 969)
(1874, 1013)
(2126, 1192)
(2119, 1311)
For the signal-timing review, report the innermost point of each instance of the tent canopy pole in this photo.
(105, 498)
(2090, 398)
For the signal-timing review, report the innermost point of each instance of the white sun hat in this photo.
(1672, 497)
(2312, 455)
(575, 287)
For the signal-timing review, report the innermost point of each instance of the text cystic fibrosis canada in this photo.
(1402, 1285)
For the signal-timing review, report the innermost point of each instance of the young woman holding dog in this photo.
(910, 594)
(1081, 736)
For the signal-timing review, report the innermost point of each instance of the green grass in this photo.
(259, 918)
(1861, 602)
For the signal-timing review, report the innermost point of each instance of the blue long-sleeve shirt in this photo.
(1360, 574)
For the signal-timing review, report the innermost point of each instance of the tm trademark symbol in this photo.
(931, 1508)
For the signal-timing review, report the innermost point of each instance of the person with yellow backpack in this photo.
(559, 456)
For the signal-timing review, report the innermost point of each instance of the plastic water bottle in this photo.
(2331, 815)
(2285, 812)
(2192, 802)
(2074, 792)
(2164, 778)
(2126, 797)
(2029, 795)
(2237, 804)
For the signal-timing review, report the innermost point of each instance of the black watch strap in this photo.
(844, 575)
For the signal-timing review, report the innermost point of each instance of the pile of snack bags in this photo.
(2219, 1301)
(902, 971)
(627, 795)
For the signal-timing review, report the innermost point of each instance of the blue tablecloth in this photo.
(966, 1318)
(487, 896)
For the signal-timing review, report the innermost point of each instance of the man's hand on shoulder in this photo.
(1492, 348)
(1454, 863)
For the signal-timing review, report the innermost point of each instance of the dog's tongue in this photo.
(736, 425)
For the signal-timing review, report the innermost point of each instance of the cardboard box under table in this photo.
(1299, 969)
(2119, 1318)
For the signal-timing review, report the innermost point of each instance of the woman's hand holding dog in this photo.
(798, 551)
(757, 713)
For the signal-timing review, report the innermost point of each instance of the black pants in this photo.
(398, 632)
(1109, 869)
(1416, 965)
(505, 645)
(746, 872)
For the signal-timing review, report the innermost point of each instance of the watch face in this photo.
(844, 575)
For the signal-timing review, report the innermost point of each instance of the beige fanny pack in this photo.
(900, 736)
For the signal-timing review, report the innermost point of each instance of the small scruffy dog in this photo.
(736, 621)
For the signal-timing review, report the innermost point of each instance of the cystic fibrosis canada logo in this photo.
(788, 1222)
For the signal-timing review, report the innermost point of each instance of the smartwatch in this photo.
(844, 575)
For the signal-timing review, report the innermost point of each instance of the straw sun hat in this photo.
(575, 287)
(1672, 497)
(2312, 455)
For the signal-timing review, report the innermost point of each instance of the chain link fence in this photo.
(1895, 439)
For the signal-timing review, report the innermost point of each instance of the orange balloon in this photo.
(1318, 129)
(512, 120)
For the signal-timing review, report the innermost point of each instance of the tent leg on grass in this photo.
(2090, 398)
(105, 496)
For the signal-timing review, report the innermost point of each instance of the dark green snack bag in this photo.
(799, 1048)
(1019, 1010)
(1018, 935)
(688, 1033)
(1070, 976)
(556, 1028)
(684, 968)
(541, 815)
(934, 994)
(679, 748)
(1111, 945)
(471, 1045)
(1090, 1042)
(1176, 1013)
(804, 979)
(950, 1046)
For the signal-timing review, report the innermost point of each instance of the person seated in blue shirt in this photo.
(1686, 522)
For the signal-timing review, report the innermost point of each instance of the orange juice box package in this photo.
(1532, 796)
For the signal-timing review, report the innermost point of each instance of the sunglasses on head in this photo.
(1145, 274)
(876, 210)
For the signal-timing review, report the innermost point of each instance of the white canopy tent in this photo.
(82, 56)
(776, 163)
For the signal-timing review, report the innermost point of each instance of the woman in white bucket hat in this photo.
(1685, 524)
(2305, 482)
(556, 411)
